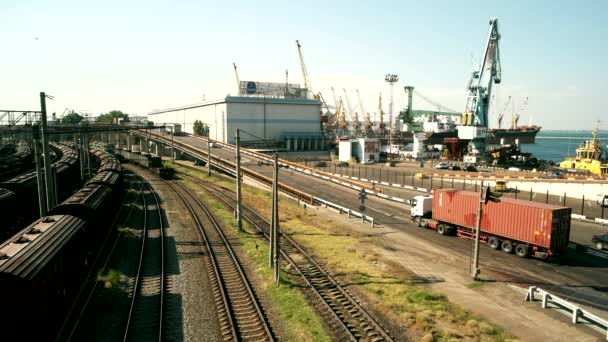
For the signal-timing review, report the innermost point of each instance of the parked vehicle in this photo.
(600, 241)
(320, 164)
(514, 169)
(470, 168)
(442, 166)
(342, 164)
(528, 228)
(421, 175)
(602, 200)
(501, 186)
(454, 168)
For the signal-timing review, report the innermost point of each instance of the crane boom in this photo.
(309, 92)
(238, 82)
(474, 121)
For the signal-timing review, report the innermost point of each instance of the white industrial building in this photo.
(363, 150)
(295, 122)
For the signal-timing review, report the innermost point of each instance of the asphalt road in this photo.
(576, 274)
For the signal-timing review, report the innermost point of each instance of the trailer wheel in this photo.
(441, 229)
(418, 221)
(494, 243)
(522, 251)
(506, 246)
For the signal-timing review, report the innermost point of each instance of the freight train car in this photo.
(41, 269)
(528, 228)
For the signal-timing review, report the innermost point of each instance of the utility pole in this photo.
(172, 152)
(39, 179)
(50, 198)
(271, 250)
(485, 196)
(275, 219)
(208, 156)
(239, 222)
(475, 271)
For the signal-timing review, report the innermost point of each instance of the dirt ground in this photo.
(438, 270)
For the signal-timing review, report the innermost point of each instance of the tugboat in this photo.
(590, 156)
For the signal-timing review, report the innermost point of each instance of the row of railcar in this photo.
(43, 266)
(24, 203)
(15, 159)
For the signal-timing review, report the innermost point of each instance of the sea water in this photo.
(556, 145)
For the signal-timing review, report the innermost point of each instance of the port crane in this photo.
(238, 82)
(515, 119)
(474, 120)
(369, 132)
(502, 114)
(354, 117)
(309, 92)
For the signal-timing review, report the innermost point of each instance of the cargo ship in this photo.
(590, 157)
(523, 134)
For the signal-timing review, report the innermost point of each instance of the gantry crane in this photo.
(474, 121)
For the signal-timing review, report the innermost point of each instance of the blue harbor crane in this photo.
(474, 119)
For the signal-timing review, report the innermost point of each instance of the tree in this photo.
(200, 128)
(109, 116)
(71, 118)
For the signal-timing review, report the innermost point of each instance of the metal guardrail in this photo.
(297, 167)
(348, 211)
(229, 167)
(578, 314)
(588, 250)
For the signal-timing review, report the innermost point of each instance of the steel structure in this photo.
(309, 92)
(15, 117)
(474, 121)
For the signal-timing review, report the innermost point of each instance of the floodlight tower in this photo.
(391, 79)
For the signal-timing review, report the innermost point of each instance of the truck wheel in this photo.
(599, 245)
(418, 221)
(506, 246)
(441, 229)
(494, 243)
(522, 251)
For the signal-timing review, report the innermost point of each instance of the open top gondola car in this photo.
(40, 272)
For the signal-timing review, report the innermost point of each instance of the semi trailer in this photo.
(524, 227)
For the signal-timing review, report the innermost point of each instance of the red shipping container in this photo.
(538, 224)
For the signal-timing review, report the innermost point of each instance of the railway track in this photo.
(145, 318)
(76, 313)
(240, 315)
(346, 314)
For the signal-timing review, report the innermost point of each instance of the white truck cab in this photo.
(421, 206)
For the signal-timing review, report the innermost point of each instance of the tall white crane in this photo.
(474, 121)
(521, 109)
(309, 92)
(335, 98)
(238, 82)
(501, 115)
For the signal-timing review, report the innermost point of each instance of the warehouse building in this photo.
(293, 123)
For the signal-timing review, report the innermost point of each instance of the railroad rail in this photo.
(347, 315)
(229, 167)
(145, 318)
(86, 292)
(240, 314)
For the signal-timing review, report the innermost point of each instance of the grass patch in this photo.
(300, 322)
(428, 315)
(475, 285)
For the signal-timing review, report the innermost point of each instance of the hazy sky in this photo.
(137, 56)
